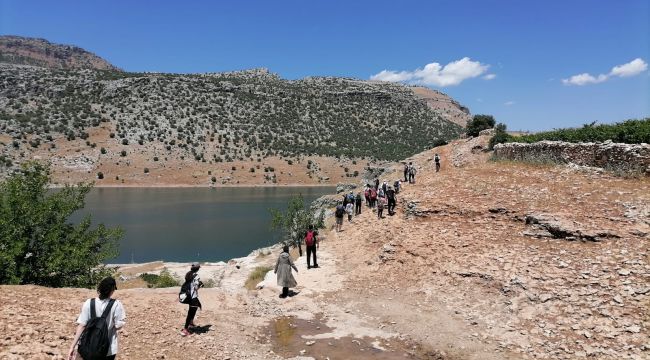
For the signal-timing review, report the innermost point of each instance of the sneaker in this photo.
(309, 267)
(315, 266)
(185, 332)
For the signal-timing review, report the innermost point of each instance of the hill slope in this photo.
(40, 52)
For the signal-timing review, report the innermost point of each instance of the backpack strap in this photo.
(107, 310)
(92, 309)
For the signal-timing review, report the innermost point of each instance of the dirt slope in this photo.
(456, 274)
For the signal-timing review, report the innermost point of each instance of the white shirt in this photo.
(194, 289)
(115, 320)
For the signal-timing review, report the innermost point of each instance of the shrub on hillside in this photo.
(39, 244)
(500, 136)
(479, 123)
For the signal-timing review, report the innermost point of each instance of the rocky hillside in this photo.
(40, 52)
(440, 102)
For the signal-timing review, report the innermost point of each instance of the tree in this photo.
(479, 123)
(38, 244)
(295, 221)
(500, 136)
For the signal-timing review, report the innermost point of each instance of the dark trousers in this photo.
(285, 291)
(411, 178)
(391, 207)
(380, 212)
(437, 167)
(406, 176)
(357, 208)
(191, 312)
(311, 251)
(368, 201)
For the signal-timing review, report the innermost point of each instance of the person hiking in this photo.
(376, 184)
(406, 172)
(366, 193)
(380, 207)
(436, 158)
(396, 185)
(283, 270)
(392, 200)
(311, 243)
(349, 209)
(338, 215)
(103, 306)
(373, 197)
(192, 277)
(351, 198)
(384, 186)
(357, 204)
(412, 172)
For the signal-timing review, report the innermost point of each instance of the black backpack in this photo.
(185, 295)
(340, 211)
(95, 342)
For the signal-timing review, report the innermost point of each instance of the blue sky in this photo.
(528, 46)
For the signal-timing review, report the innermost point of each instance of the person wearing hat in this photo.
(115, 316)
(196, 283)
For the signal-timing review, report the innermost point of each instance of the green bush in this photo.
(164, 280)
(39, 244)
(500, 136)
(629, 132)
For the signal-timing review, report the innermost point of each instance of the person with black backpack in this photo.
(437, 160)
(100, 318)
(190, 295)
(311, 243)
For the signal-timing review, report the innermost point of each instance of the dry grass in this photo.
(256, 276)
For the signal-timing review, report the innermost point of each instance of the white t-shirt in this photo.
(115, 320)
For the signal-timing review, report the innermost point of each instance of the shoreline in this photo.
(187, 186)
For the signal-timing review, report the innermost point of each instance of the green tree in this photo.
(500, 136)
(38, 244)
(479, 123)
(295, 221)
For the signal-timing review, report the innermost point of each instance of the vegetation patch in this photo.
(256, 276)
(164, 280)
(628, 132)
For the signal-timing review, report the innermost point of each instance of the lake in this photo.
(191, 224)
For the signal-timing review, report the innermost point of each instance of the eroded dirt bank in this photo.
(484, 261)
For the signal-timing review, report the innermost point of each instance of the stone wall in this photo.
(607, 155)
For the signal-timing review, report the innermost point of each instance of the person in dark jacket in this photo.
(196, 283)
(357, 204)
(392, 200)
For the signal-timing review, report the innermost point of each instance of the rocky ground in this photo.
(487, 260)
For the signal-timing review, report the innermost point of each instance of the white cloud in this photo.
(584, 79)
(489, 76)
(634, 67)
(435, 74)
(509, 103)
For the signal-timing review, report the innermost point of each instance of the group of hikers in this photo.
(101, 317)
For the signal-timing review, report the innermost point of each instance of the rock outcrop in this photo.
(40, 52)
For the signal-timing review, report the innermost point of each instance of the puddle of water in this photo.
(286, 336)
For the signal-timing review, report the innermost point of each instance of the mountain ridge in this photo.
(40, 52)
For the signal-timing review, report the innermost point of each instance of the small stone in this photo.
(624, 272)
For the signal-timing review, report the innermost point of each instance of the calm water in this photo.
(192, 224)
